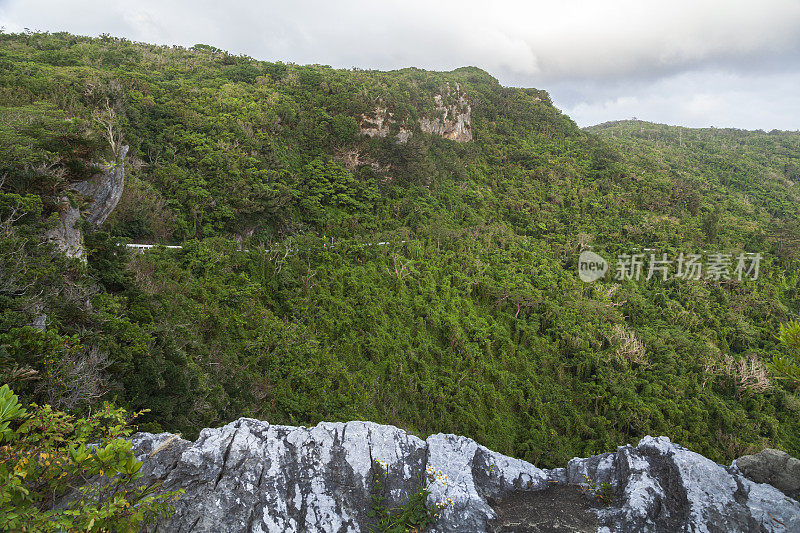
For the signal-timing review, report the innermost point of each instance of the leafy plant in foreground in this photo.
(603, 492)
(415, 515)
(787, 366)
(46, 454)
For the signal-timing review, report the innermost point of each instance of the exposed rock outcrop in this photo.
(454, 122)
(66, 234)
(254, 476)
(661, 486)
(775, 467)
(103, 191)
(377, 124)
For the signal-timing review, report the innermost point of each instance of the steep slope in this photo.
(471, 320)
(755, 173)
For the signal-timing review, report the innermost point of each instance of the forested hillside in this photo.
(279, 180)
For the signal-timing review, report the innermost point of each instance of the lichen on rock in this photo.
(253, 476)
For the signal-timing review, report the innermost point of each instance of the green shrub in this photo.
(787, 366)
(44, 454)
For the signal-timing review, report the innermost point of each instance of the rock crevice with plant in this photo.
(250, 475)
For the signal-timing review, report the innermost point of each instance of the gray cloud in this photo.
(697, 99)
(694, 62)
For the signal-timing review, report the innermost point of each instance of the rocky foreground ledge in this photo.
(253, 476)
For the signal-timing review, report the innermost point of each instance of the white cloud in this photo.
(701, 99)
(587, 53)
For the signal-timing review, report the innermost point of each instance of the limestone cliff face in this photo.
(377, 123)
(103, 193)
(454, 120)
(253, 476)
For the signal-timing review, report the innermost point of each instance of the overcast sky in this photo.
(689, 62)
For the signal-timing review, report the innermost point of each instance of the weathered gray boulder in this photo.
(775, 467)
(253, 476)
(104, 190)
(66, 234)
(661, 486)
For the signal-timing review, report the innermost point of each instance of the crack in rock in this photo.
(253, 476)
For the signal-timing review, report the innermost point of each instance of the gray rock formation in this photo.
(103, 192)
(660, 486)
(775, 467)
(66, 234)
(254, 476)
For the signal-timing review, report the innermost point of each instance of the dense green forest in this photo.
(468, 318)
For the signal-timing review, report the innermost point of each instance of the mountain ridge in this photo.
(474, 321)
